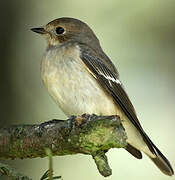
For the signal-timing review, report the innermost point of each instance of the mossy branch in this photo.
(86, 134)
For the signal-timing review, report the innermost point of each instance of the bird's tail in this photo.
(161, 161)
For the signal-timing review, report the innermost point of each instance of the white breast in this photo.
(71, 86)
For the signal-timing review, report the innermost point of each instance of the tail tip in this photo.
(163, 165)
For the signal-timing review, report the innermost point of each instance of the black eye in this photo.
(59, 30)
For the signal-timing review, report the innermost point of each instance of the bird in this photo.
(81, 79)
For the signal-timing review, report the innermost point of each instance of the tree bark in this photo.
(87, 134)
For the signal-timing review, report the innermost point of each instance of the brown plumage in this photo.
(76, 70)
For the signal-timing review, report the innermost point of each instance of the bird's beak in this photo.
(39, 30)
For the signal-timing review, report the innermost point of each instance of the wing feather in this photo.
(110, 82)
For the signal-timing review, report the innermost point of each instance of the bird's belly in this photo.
(77, 92)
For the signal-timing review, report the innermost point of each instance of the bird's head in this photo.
(66, 29)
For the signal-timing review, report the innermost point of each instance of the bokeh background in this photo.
(139, 36)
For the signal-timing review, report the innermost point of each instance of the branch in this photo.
(86, 134)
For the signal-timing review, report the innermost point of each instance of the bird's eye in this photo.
(59, 30)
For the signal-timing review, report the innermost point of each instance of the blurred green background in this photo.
(139, 36)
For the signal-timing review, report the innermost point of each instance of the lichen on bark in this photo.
(87, 134)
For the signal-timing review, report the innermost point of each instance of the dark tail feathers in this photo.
(162, 162)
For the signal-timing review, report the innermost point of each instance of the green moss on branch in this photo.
(86, 134)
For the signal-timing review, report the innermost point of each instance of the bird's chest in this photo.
(71, 86)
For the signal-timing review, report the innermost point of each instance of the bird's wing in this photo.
(107, 77)
(110, 82)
